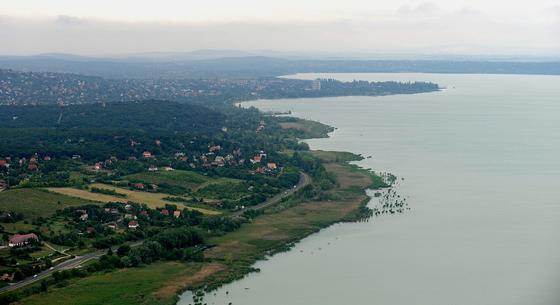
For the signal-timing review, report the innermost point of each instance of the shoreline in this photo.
(234, 255)
(418, 234)
(343, 158)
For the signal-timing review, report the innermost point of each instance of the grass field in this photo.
(154, 284)
(42, 253)
(347, 178)
(153, 200)
(186, 179)
(223, 190)
(335, 156)
(19, 226)
(78, 177)
(308, 129)
(34, 203)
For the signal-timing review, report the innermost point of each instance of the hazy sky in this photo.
(106, 27)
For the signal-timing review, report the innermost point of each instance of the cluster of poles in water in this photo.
(198, 297)
(390, 201)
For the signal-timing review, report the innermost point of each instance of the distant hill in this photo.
(236, 64)
(193, 55)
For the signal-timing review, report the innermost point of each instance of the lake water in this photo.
(481, 163)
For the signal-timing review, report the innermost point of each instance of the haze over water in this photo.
(481, 165)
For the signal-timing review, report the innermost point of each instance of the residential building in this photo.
(22, 239)
(316, 85)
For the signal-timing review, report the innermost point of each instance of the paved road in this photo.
(304, 180)
(69, 264)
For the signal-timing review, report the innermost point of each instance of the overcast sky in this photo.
(110, 27)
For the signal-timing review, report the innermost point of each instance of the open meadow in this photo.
(33, 203)
(153, 200)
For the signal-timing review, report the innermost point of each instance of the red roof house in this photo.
(133, 224)
(22, 239)
(98, 166)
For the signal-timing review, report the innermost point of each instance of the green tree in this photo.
(18, 275)
(123, 250)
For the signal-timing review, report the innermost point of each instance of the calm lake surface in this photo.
(481, 163)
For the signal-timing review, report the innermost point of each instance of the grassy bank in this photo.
(144, 285)
(234, 253)
(305, 129)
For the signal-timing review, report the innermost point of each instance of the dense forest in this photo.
(99, 131)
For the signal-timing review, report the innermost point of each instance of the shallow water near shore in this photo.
(481, 165)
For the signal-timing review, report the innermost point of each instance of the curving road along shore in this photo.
(69, 264)
(304, 180)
